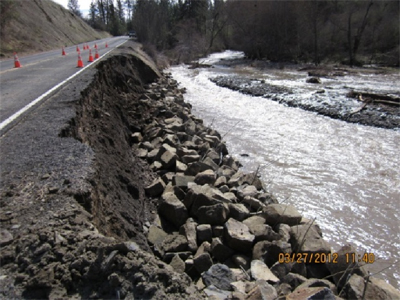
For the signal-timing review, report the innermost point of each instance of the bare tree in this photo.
(73, 6)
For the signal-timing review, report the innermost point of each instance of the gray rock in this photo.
(215, 214)
(343, 267)
(253, 204)
(251, 179)
(267, 198)
(269, 251)
(214, 293)
(180, 167)
(281, 269)
(250, 191)
(156, 236)
(208, 161)
(204, 233)
(205, 177)
(253, 221)
(168, 160)
(312, 293)
(197, 167)
(264, 291)
(260, 271)
(175, 243)
(5, 237)
(182, 151)
(189, 230)
(238, 211)
(218, 231)
(226, 172)
(283, 290)
(202, 262)
(187, 159)
(156, 188)
(238, 236)
(294, 280)
(264, 232)
(178, 264)
(136, 137)
(219, 251)
(220, 181)
(172, 209)
(182, 181)
(242, 261)
(142, 153)
(284, 232)
(318, 283)
(308, 239)
(281, 213)
(313, 80)
(220, 276)
(183, 255)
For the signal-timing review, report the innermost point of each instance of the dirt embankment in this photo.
(148, 204)
(40, 25)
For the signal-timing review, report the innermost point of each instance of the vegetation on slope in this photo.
(40, 25)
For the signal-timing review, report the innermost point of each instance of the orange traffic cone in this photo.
(96, 56)
(63, 51)
(106, 45)
(95, 46)
(16, 61)
(80, 62)
(90, 56)
(77, 49)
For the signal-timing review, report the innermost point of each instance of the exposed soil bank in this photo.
(96, 179)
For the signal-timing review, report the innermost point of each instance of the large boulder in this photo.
(189, 230)
(238, 211)
(205, 177)
(172, 209)
(156, 188)
(175, 243)
(343, 266)
(238, 236)
(307, 239)
(358, 288)
(281, 213)
(220, 276)
(215, 214)
(219, 251)
(260, 271)
(269, 251)
(202, 262)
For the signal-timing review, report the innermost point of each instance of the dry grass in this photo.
(41, 25)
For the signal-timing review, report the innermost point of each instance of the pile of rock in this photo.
(220, 225)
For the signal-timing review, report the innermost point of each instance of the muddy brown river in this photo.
(346, 176)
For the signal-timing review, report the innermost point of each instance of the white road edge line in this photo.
(41, 97)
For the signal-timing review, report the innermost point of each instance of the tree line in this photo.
(352, 31)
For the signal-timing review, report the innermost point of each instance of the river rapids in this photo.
(345, 175)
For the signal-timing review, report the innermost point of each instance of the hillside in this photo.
(41, 25)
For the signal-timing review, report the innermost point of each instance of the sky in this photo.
(84, 5)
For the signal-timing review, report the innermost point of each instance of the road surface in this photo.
(40, 73)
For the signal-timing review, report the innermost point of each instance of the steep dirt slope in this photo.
(40, 25)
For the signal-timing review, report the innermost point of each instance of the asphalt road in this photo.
(39, 74)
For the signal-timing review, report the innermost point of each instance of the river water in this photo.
(345, 175)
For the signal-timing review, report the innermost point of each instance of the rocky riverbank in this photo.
(372, 109)
(147, 203)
